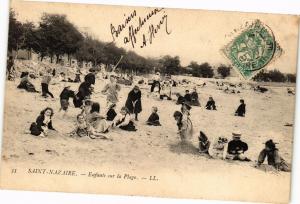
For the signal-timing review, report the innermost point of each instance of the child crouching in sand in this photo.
(204, 144)
(124, 120)
(154, 118)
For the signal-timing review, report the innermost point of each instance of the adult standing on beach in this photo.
(133, 102)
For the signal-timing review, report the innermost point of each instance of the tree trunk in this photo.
(57, 58)
(51, 59)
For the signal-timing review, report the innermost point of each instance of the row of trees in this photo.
(55, 36)
(274, 76)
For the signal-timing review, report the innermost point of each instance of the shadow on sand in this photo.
(184, 148)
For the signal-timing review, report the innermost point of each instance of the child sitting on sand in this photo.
(274, 159)
(237, 148)
(25, 83)
(43, 123)
(210, 105)
(124, 120)
(154, 118)
(219, 148)
(81, 129)
(65, 95)
(95, 120)
(241, 111)
(204, 144)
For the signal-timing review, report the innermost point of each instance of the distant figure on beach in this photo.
(77, 76)
(64, 96)
(25, 83)
(241, 110)
(133, 102)
(274, 159)
(195, 98)
(154, 117)
(10, 68)
(155, 82)
(111, 90)
(165, 91)
(219, 148)
(43, 123)
(187, 97)
(210, 105)
(46, 78)
(180, 99)
(237, 148)
(124, 120)
(204, 144)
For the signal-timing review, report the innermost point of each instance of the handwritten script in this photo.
(131, 31)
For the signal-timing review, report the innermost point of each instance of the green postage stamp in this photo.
(253, 49)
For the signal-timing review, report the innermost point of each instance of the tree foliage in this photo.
(224, 70)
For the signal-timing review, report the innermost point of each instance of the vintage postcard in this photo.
(149, 101)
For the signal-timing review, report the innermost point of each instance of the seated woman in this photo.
(195, 98)
(204, 144)
(274, 159)
(98, 123)
(154, 118)
(124, 120)
(210, 105)
(25, 83)
(43, 123)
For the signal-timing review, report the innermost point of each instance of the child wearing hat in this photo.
(274, 159)
(154, 118)
(237, 148)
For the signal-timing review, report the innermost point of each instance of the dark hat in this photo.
(203, 136)
(270, 144)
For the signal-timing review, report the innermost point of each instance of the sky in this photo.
(193, 35)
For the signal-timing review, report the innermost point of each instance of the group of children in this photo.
(236, 148)
(90, 123)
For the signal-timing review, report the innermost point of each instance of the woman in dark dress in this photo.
(84, 91)
(133, 102)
